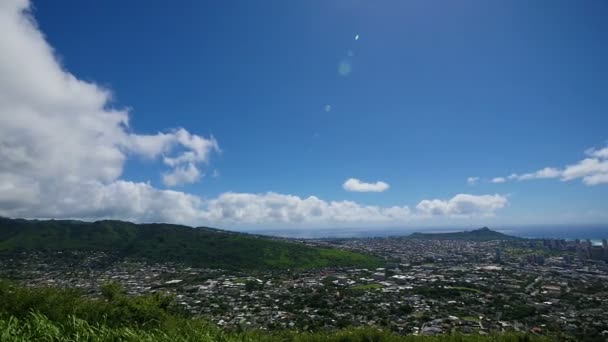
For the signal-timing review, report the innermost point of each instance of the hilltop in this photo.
(201, 247)
(482, 234)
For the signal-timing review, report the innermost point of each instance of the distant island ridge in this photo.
(594, 232)
(567, 232)
(482, 234)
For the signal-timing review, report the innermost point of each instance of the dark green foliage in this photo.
(113, 310)
(201, 247)
(482, 234)
(518, 312)
(38, 328)
(64, 315)
(402, 310)
(444, 292)
(252, 285)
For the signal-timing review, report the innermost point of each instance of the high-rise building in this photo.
(605, 243)
(596, 253)
(581, 254)
(556, 244)
(498, 257)
(539, 259)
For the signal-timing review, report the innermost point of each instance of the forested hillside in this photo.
(201, 247)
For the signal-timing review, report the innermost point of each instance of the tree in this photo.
(111, 291)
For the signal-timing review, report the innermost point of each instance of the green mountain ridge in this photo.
(482, 234)
(201, 247)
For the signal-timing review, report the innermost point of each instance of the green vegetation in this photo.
(465, 289)
(522, 252)
(201, 247)
(64, 315)
(39, 328)
(367, 287)
(471, 319)
(444, 292)
(482, 234)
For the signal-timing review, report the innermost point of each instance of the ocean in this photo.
(568, 232)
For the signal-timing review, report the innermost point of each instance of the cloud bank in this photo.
(63, 148)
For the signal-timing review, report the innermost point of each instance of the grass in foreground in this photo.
(37, 327)
(48, 314)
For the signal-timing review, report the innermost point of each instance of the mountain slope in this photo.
(482, 234)
(204, 247)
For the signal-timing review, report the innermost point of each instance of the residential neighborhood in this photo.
(426, 287)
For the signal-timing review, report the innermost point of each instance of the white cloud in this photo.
(548, 172)
(463, 205)
(57, 128)
(132, 201)
(592, 170)
(353, 184)
(182, 175)
(472, 180)
(150, 146)
(498, 180)
(197, 149)
(63, 149)
(585, 168)
(595, 179)
(272, 208)
(601, 153)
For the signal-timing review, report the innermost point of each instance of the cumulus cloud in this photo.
(132, 201)
(498, 180)
(63, 149)
(592, 170)
(273, 208)
(182, 175)
(280, 208)
(353, 184)
(196, 149)
(463, 205)
(472, 180)
(601, 153)
(55, 128)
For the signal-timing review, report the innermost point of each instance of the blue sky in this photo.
(435, 93)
